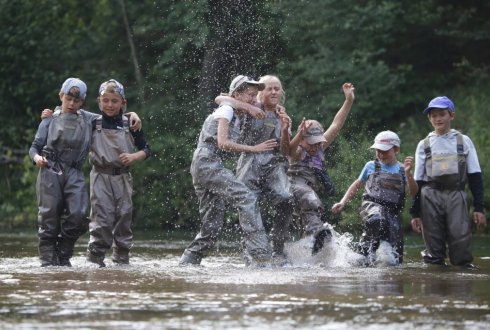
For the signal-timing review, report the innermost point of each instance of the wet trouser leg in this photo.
(309, 204)
(280, 228)
(123, 234)
(445, 219)
(214, 185)
(395, 234)
(50, 201)
(212, 213)
(375, 227)
(102, 216)
(273, 186)
(75, 222)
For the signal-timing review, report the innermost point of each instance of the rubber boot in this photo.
(190, 258)
(120, 256)
(65, 250)
(96, 258)
(321, 236)
(47, 252)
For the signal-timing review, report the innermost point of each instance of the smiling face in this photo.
(272, 94)
(111, 103)
(441, 120)
(387, 157)
(310, 149)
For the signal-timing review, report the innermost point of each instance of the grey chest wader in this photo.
(383, 200)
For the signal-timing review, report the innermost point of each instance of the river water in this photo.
(328, 291)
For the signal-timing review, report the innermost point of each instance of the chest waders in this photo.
(383, 200)
(62, 196)
(444, 207)
(266, 175)
(111, 190)
(309, 181)
(215, 186)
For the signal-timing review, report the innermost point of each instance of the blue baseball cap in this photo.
(441, 102)
(74, 82)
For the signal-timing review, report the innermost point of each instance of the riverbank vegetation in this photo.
(174, 57)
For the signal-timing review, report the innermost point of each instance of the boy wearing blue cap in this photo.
(445, 160)
(59, 149)
(111, 186)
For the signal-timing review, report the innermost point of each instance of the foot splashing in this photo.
(336, 251)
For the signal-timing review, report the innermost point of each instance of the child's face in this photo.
(70, 103)
(111, 103)
(387, 157)
(310, 149)
(249, 95)
(271, 95)
(441, 120)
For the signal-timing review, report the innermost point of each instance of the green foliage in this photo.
(399, 54)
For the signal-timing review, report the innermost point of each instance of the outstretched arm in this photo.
(226, 144)
(339, 119)
(248, 108)
(285, 129)
(294, 150)
(348, 196)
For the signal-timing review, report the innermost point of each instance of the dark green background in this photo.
(174, 56)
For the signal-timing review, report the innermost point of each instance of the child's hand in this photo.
(265, 146)
(134, 121)
(127, 159)
(416, 225)
(303, 126)
(285, 120)
(40, 161)
(256, 112)
(46, 113)
(408, 164)
(480, 220)
(337, 207)
(348, 89)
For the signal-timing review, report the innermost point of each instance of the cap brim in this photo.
(259, 85)
(315, 139)
(427, 110)
(382, 146)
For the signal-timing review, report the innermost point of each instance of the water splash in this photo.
(336, 252)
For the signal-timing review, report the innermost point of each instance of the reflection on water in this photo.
(327, 291)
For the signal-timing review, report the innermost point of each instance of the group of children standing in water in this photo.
(282, 171)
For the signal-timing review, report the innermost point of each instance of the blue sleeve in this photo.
(366, 171)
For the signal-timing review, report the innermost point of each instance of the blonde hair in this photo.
(268, 78)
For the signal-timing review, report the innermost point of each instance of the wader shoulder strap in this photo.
(98, 123)
(428, 157)
(377, 166)
(461, 160)
(125, 120)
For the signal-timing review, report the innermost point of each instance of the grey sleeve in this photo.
(90, 115)
(40, 138)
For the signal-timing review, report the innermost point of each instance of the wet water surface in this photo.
(325, 292)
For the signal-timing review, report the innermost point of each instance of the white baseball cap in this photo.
(241, 79)
(386, 140)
